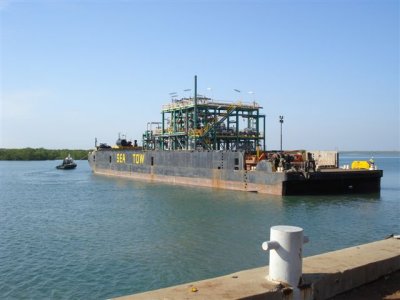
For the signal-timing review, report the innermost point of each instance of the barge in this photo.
(216, 144)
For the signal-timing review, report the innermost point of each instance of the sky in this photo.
(75, 70)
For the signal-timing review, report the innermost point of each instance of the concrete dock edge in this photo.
(324, 276)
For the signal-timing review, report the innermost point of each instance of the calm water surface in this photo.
(74, 235)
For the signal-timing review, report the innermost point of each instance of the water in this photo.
(73, 235)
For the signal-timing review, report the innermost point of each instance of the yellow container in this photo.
(360, 164)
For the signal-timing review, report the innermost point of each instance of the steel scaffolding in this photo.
(200, 123)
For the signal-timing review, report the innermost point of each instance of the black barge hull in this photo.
(227, 170)
(332, 182)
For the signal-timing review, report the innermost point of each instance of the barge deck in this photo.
(209, 143)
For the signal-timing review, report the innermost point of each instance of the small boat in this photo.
(67, 164)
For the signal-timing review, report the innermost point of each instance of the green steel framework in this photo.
(201, 123)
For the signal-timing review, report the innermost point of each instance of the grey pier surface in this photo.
(324, 276)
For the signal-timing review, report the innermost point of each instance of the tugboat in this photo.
(67, 164)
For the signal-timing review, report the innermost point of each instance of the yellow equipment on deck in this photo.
(360, 164)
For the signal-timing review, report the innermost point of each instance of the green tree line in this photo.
(41, 154)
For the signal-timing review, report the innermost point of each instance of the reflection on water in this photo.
(72, 234)
(333, 199)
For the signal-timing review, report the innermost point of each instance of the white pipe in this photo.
(270, 245)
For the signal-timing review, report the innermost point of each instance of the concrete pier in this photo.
(324, 276)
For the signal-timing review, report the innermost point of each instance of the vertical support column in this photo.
(195, 110)
(187, 138)
(162, 139)
(258, 129)
(237, 129)
(281, 121)
(265, 149)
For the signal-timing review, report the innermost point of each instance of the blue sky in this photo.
(75, 70)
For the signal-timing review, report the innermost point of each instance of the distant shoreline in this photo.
(396, 152)
(25, 154)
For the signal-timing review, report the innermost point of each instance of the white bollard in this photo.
(286, 254)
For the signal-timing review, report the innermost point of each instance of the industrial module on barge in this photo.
(200, 142)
